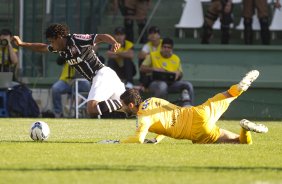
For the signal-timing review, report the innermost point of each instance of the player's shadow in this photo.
(48, 142)
(145, 168)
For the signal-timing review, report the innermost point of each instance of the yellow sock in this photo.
(233, 91)
(245, 137)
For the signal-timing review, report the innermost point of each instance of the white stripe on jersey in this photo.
(82, 36)
(94, 39)
(75, 45)
(85, 74)
(89, 67)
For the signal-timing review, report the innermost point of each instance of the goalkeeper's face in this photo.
(129, 110)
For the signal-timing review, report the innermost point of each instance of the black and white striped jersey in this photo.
(80, 54)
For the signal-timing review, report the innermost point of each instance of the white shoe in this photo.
(250, 77)
(258, 128)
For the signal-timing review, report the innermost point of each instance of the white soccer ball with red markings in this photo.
(39, 131)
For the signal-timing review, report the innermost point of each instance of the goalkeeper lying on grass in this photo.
(197, 124)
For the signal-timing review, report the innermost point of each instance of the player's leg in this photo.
(245, 136)
(247, 127)
(228, 137)
(237, 89)
(214, 107)
(103, 96)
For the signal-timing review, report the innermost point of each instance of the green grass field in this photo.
(70, 155)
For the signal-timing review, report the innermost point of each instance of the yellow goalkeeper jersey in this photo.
(163, 118)
(166, 119)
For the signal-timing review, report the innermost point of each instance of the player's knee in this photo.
(92, 108)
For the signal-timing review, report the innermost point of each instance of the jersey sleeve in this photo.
(84, 39)
(141, 132)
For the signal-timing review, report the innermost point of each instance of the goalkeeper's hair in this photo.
(56, 30)
(131, 96)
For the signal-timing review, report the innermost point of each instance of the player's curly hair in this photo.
(56, 30)
(131, 96)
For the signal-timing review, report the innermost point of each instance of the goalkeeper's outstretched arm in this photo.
(155, 140)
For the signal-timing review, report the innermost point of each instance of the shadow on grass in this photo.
(148, 168)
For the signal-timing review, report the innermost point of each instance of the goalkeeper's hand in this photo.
(108, 142)
(151, 141)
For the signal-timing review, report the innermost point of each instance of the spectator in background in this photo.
(121, 61)
(153, 44)
(65, 86)
(222, 9)
(166, 62)
(263, 15)
(8, 54)
(134, 10)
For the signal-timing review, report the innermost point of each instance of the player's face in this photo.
(58, 44)
(166, 50)
(127, 109)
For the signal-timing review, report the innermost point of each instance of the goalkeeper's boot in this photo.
(250, 77)
(250, 126)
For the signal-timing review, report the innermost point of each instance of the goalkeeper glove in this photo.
(109, 142)
(151, 141)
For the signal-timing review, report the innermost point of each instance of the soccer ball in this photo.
(39, 131)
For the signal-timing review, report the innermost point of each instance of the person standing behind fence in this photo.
(263, 15)
(8, 54)
(165, 61)
(134, 10)
(222, 8)
(121, 61)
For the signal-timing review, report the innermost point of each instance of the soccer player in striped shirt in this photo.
(78, 51)
(197, 124)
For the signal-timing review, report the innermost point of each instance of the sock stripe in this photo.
(108, 105)
(99, 110)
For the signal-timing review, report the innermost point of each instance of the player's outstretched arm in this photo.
(106, 38)
(38, 47)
